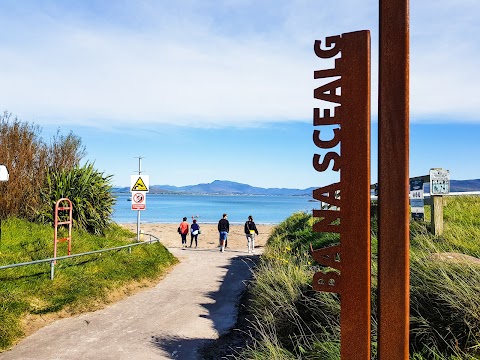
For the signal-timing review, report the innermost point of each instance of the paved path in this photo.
(194, 304)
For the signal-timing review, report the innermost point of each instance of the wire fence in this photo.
(53, 260)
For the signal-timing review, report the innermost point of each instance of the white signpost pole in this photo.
(139, 188)
(138, 211)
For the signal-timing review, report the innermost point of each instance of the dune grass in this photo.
(294, 322)
(81, 284)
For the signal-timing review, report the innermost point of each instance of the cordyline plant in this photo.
(90, 193)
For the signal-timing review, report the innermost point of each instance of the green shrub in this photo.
(28, 158)
(90, 193)
(297, 231)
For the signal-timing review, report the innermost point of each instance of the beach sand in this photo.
(208, 239)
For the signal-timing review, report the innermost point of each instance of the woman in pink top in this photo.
(183, 230)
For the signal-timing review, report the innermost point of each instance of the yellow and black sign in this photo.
(139, 184)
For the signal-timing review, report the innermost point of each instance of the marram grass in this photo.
(294, 322)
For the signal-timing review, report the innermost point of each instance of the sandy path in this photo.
(192, 305)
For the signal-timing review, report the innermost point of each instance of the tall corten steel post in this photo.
(347, 264)
(393, 217)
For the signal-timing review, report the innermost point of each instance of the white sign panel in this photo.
(439, 181)
(139, 200)
(139, 183)
(3, 173)
(417, 199)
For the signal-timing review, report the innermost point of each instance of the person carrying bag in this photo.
(194, 232)
(250, 232)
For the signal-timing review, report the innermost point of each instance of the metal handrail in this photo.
(52, 260)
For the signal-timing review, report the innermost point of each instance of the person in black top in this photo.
(223, 229)
(250, 231)
(194, 231)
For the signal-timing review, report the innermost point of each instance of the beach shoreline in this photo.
(208, 239)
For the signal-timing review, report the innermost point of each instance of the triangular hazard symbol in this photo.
(139, 185)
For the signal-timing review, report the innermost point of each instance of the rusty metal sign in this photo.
(393, 181)
(344, 93)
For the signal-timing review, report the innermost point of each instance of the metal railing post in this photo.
(52, 269)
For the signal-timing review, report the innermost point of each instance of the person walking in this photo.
(223, 229)
(250, 231)
(183, 231)
(194, 231)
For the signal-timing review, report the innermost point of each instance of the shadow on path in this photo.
(222, 311)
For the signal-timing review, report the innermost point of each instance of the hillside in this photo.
(461, 185)
(223, 187)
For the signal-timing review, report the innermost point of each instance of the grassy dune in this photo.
(27, 295)
(294, 322)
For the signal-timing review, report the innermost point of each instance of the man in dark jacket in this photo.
(223, 229)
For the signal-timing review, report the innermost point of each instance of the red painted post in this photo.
(59, 207)
(393, 182)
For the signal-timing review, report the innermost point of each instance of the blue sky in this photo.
(207, 90)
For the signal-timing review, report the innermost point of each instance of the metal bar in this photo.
(80, 254)
(138, 225)
(393, 194)
(70, 215)
(138, 212)
(355, 197)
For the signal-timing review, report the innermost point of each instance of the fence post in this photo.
(437, 215)
(52, 269)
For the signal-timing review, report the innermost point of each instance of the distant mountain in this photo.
(222, 187)
(460, 185)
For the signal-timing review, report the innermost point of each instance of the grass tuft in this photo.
(294, 322)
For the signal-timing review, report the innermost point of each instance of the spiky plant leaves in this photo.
(90, 193)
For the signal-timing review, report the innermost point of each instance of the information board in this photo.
(417, 199)
(439, 181)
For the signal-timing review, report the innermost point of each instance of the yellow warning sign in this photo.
(139, 185)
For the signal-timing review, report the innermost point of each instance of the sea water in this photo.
(171, 208)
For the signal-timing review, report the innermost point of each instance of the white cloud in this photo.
(444, 60)
(80, 74)
(195, 63)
